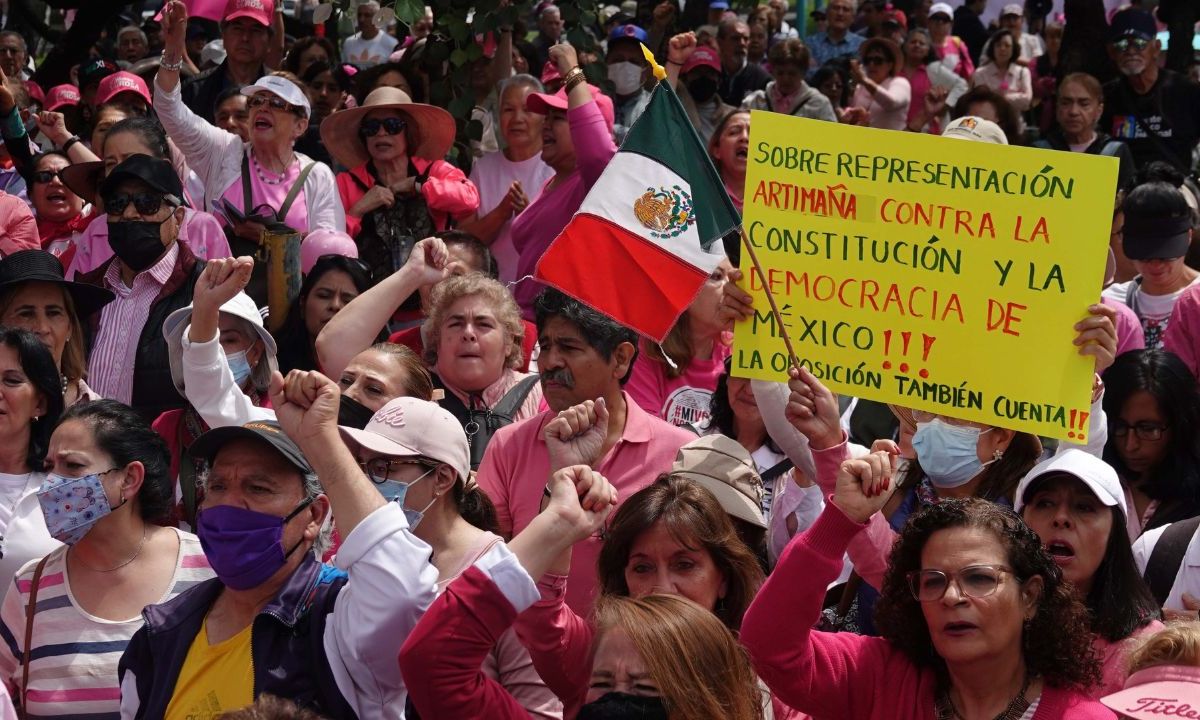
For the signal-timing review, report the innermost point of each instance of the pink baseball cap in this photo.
(122, 82)
(411, 427)
(63, 96)
(322, 242)
(1158, 692)
(542, 103)
(259, 11)
(702, 56)
(550, 73)
(36, 93)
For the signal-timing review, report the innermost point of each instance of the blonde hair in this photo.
(501, 302)
(675, 351)
(1176, 644)
(699, 667)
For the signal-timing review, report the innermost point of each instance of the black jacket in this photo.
(153, 390)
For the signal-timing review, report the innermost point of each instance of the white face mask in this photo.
(626, 77)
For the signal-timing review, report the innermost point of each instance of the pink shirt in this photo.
(1182, 336)
(18, 228)
(1129, 328)
(516, 467)
(110, 370)
(1114, 658)
(954, 54)
(201, 232)
(887, 108)
(684, 400)
(271, 194)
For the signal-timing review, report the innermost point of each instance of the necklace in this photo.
(136, 554)
(261, 172)
(1016, 707)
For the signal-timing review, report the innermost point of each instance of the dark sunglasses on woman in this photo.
(391, 126)
(261, 99)
(45, 176)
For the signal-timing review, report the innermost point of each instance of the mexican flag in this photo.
(648, 234)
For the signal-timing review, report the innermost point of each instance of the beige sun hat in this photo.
(434, 125)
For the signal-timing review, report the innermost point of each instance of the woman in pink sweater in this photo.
(976, 619)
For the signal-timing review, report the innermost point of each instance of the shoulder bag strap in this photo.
(294, 192)
(776, 470)
(30, 608)
(1167, 556)
(513, 399)
(247, 191)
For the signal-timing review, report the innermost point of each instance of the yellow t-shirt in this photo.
(214, 679)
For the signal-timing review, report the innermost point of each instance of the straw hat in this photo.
(435, 126)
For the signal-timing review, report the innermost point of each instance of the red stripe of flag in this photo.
(621, 274)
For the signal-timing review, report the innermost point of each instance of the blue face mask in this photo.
(239, 366)
(948, 453)
(73, 505)
(395, 491)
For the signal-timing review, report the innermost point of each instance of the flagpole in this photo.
(793, 359)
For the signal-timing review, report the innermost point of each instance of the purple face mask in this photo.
(244, 547)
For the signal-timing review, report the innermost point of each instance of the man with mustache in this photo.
(585, 360)
(1156, 111)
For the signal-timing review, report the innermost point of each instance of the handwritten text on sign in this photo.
(933, 273)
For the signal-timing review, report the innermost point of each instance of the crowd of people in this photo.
(293, 432)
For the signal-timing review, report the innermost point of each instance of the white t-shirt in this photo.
(493, 174)
(1153, 310)
(368, 53)
(23, 534)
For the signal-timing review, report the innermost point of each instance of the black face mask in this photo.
(702, 89)
(353, 414)
(137, 242)
(622, 706)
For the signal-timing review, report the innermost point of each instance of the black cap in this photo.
(158, 174)
(95, 71)
(1132, 22)
(1155, 238)
(40, 266)
(210, 443)
(817, 14)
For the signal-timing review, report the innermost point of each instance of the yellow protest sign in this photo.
(934, 273)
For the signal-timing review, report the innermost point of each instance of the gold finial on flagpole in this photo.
(659, 71)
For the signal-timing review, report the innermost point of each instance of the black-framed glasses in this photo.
(391, 126)
(381, 467)
(875, 60)
(1147, 431)
(974, 581)
(275, 103)
(1124, 44)
(146, 203)
(45, 176)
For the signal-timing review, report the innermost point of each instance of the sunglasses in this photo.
(261, 99)
(144, 203)
(1124, 44)
(45, 176)
(876, 60)
(391, 126)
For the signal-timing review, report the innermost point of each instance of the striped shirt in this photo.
(73, 673)
(114, 352)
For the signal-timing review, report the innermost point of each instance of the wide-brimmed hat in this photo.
(40, 266)
(84, 178)
(434, 125)
(727, 470)
(240, 306)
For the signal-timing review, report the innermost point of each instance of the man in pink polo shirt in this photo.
(584, 356)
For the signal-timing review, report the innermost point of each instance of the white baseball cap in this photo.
(1012, 9)
(941, 9)
(411, 427)
(239, 306)
(970, 127)
(1098, 475)
(282, 87)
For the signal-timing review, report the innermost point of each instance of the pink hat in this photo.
(258, 10)
(62, 96)
(702, 56)
(550, 73)
(541, 103)
(1158, 692)
(122, 82)
(410, 427)
(322, 242)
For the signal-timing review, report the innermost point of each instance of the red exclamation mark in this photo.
(1083, 420)
(887, 348)
(1071, 430)
(905, 337)
(928, 340)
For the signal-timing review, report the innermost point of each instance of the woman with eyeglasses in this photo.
(881, 90)
(264, 178)
(1153, 406)
(976, 620)
(398, 190)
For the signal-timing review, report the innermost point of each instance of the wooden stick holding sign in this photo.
(793, 359)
